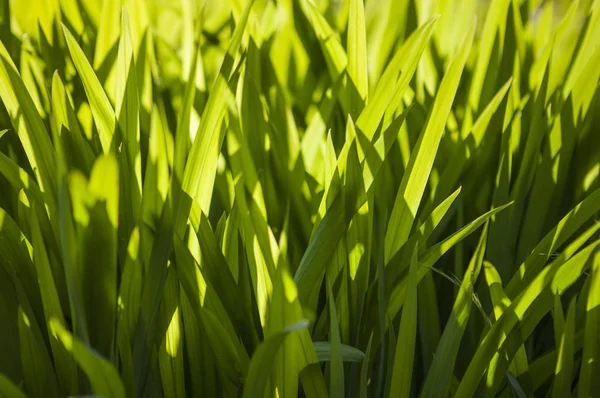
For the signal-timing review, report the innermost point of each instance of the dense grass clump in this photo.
(283, 198)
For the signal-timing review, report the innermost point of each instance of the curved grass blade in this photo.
(103, 376)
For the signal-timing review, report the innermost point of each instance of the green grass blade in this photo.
(591, 348)
(336, 369)
(102, 374)
(564, 364)
(257, 377)
(8, 389)
(407, 337)
(414, 180)
(102, 110)
(441, 369)
(357, 57)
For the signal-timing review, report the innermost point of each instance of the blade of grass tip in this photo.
(102, 374)
(128, 110)
(357, 57)
(405, 348)
(395, 78)
(590, 362)
(558, 276)
(201, 166)
(102, 111)
(442, 367)
(416, 176)
(336, 370)
(106, 44)
(29, 126)
(197, 184)
(563, 374)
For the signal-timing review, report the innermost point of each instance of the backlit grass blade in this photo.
(357, 57)
(102, 110)
(77, 151)
(490, 54)
(407, 336)
(395, 78)
(170, 353)
(130, 292)
(127, 113)
(544, 250)
(201, 166)
(102, 374)
(552, 278)
(501, 303)
(29, 126)
(414, 180)
(432, 255)
(259, 366)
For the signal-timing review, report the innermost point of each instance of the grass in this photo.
(299, 198)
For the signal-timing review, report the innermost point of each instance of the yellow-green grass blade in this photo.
(490, 54)
(103, 376)
(9, 389)
(432, 255)
(545, 249)
(127, 111)
(414, 179)
(468, 145)
(171, 350)
(563, 374)
(256, 380)
(102, 110)
(590, 362)
(30, 128)
(552, 278)
(395, 79)
(201, 166)
(77, 151)
(182, 134)
(357, 57)
(515, 337)
(501, 303)
(441, 370)
(130, 292)
(402, 372)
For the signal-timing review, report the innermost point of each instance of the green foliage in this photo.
(299, 198)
